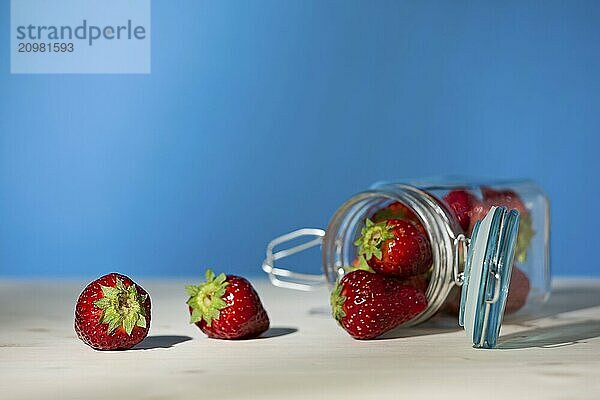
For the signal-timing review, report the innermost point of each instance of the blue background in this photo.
(261, 117)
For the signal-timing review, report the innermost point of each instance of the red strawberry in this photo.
(395, 210)
(452, 303)
(398, 210)
(418, 282)
(227, 307)
(506, 198)
(112, 313)
(461, 202)
(518, 290)
(395, 247)
(359, 263)
(366, 304)
(477, 213)
(510, 199)
(492, 197)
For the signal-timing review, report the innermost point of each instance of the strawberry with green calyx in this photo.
(395, 247)
(226, 307)
(367, 305)
(112, 312)
(372, 237)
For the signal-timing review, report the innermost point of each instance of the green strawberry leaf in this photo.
(337, 303)
(372, 237)
(122, 306)
(524, 238)
(206, 299)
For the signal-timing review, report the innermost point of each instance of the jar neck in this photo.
(345, 225)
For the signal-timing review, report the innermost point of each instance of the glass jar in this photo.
(472, 229)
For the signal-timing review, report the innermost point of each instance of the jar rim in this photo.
(440, 225)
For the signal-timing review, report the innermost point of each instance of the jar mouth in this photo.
(344, 228)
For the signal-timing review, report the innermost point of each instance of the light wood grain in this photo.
(306, 356)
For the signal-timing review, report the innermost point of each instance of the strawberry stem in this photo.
(337, 303)
(206, 299)
(371, 237)
(122, 306)
(361, 264)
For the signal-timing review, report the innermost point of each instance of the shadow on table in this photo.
(562, 300)
(277, 331)
(552, 336)
(320, 312)
(161, 342)
(435, 326)
(568, 299)
(272, 332)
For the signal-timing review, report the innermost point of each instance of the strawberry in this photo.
(461, 202)
(518, 290)
(366, 304)
(395, 210)
(452, 303)
(398, 210)
(358, 263)
(112, 313)
(227, 307)
(477, 213)
(395, 247)
(510, 200)
(418, 282)
(506, 198)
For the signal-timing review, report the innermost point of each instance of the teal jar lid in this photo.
(487, 276)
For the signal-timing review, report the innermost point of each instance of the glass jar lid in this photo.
(487, 276)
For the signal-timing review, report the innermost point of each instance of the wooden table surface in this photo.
(305, 355)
